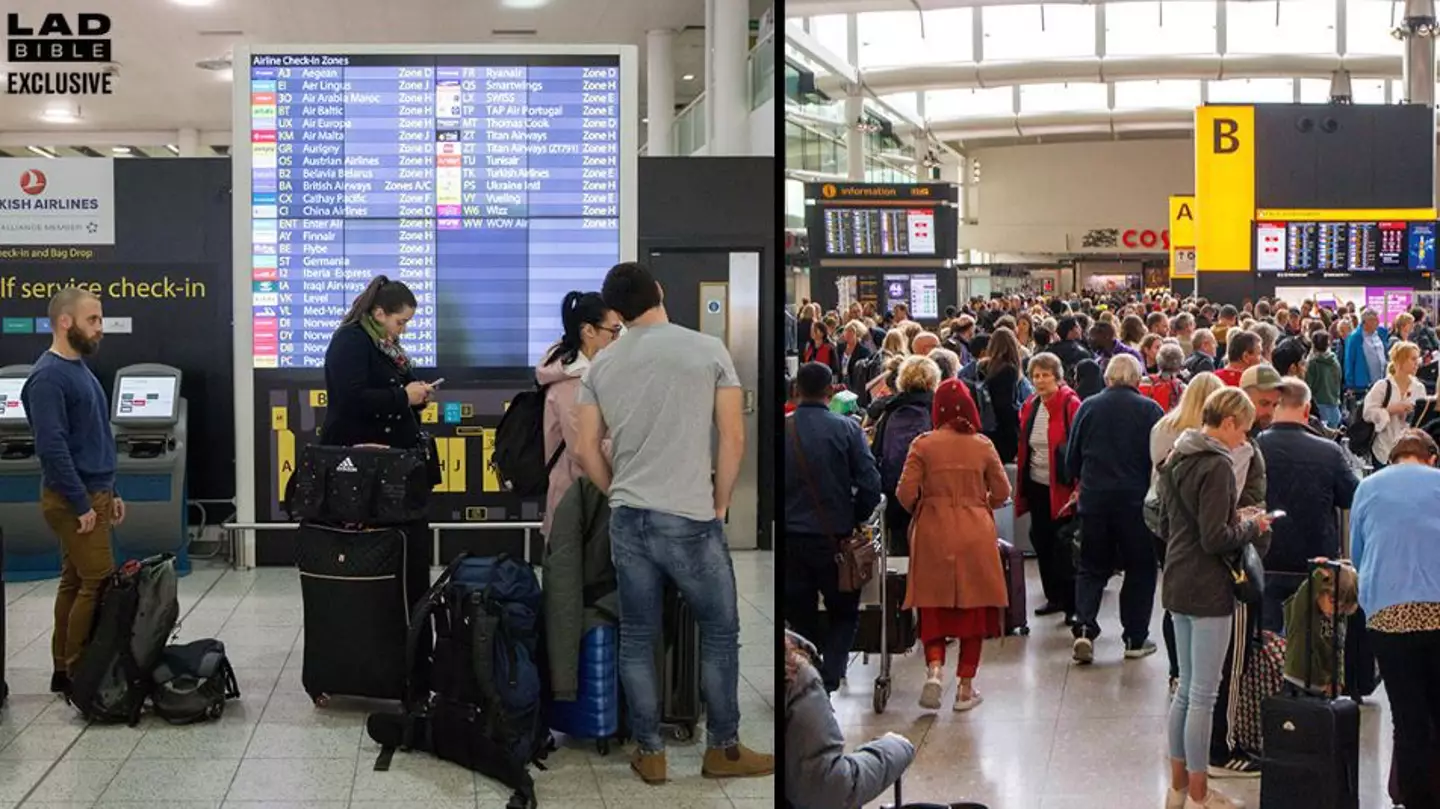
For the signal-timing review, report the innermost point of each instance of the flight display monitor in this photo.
(919, 292)
(879, 231)
(145, 397)
(11, 407)
(1335, 249)
(491, 185)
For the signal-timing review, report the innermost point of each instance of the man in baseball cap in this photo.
(1263, 384)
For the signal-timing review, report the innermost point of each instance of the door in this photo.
(717, 292)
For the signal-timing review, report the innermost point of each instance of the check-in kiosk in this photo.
(148, 416)
(31, 550)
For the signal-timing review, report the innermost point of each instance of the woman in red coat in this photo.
(821, 350)
(1045, 421)
(952, 483)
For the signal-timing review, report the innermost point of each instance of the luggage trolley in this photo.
(875, 597)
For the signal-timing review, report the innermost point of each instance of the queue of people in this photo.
(1233, 420)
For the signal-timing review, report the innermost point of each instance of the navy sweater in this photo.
(70, 417)
(1109, 447)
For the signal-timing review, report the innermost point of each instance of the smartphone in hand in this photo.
(437, 383)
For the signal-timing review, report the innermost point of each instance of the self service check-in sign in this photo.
(47, 40)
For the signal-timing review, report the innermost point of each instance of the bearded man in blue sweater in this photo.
(70, 417)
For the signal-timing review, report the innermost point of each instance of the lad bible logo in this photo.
(58, 39)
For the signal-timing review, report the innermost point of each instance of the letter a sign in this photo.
(1224, 205)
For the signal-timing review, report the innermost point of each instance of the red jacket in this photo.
(1062, 407)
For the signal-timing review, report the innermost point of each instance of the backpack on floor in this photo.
(192, 682)
(137, 613)
(487, 710)
(519, 452)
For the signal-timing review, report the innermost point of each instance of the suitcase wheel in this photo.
(602, 746)
(1023, 630)
(321, 700)
(882, 694)
(682, 733)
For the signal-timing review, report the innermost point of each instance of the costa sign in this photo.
(1146, 239)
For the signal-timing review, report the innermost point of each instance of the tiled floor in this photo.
(274, 749)
(1051, 735)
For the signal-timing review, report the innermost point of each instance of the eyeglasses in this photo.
(613, 330)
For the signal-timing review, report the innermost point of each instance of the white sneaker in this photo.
(1215, 799)
(930, 694)
(1175, 799)
(1084, 651)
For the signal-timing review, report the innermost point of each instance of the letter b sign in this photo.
(1225, 141)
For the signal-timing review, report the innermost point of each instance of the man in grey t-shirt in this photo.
(657, 391)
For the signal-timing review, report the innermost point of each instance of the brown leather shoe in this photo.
(649, 766)
(736, 761)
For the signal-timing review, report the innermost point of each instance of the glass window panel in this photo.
(1163, 94)
(894, 38)
(1362, 91)
(1304, 26)
(831, 32)
(1063, 97)
(1368, 24)
(944, 105)
(1245, 91)
(1153, 28)
(1024, 32)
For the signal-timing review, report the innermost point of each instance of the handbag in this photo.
(856, 555)
(1247, 572)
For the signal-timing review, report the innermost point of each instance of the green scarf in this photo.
(390, 348)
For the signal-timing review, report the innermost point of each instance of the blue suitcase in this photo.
(595, 713)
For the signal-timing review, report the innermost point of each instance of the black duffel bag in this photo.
(365, 486)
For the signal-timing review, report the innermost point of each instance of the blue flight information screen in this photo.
(489, 184)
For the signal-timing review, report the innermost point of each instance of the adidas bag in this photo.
(137, 612)
(366, 486)
(519, 454)
(192, 682)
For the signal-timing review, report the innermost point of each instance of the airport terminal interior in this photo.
(226, 178)
(986, 166)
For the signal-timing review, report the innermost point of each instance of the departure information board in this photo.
(879, 231)
(1338, 249)
(488, 184)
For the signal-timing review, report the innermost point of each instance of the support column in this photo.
(1418, 63)
(188, 142)
(659, 91)
(727, 83)
(854, 138)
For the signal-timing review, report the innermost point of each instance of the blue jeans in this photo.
(650, 548)
(1329, 414)
(1200, 646)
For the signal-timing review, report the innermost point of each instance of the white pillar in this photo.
(727, 83)
(188, 142)
(659, 91)
(854, 138)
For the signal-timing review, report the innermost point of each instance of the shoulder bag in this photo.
(856, 554)
(1247, 573)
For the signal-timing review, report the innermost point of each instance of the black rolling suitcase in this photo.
(355, 587)
(678, 661)
(1312, 745)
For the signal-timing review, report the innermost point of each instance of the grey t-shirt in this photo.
(655, 387)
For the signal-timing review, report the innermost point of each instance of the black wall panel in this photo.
(1337, 156)
(172, 239)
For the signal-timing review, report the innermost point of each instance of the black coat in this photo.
(1309, 478)
(365, 395)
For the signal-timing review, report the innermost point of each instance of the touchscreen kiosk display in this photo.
(1420, 251)
(897, 290)
(145, 397)
(10, 405)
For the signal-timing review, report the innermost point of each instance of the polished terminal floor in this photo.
(1051, 735)
(274, 749)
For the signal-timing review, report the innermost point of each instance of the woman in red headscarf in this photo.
(952, 483)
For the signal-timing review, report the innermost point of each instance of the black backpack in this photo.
(192, 682)
(518, 457)
(487, 711)
(1360, 432)
(138, 610)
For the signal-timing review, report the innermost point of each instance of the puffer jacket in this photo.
(819, 774)
(580, 584)
(1204, 527)
(561, 423)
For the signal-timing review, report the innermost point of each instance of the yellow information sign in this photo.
(1182, 236)
(454, 463)
(284, 457)
(1224, 188)
(490, 482)
(317, 398)
(430, 414)
(279, 418)
(1344, 215)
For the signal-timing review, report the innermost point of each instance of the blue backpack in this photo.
(893, 438)
(486, 706)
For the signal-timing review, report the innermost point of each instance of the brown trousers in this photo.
(85, 562)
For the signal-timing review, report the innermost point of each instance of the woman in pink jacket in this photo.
(589, 327)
